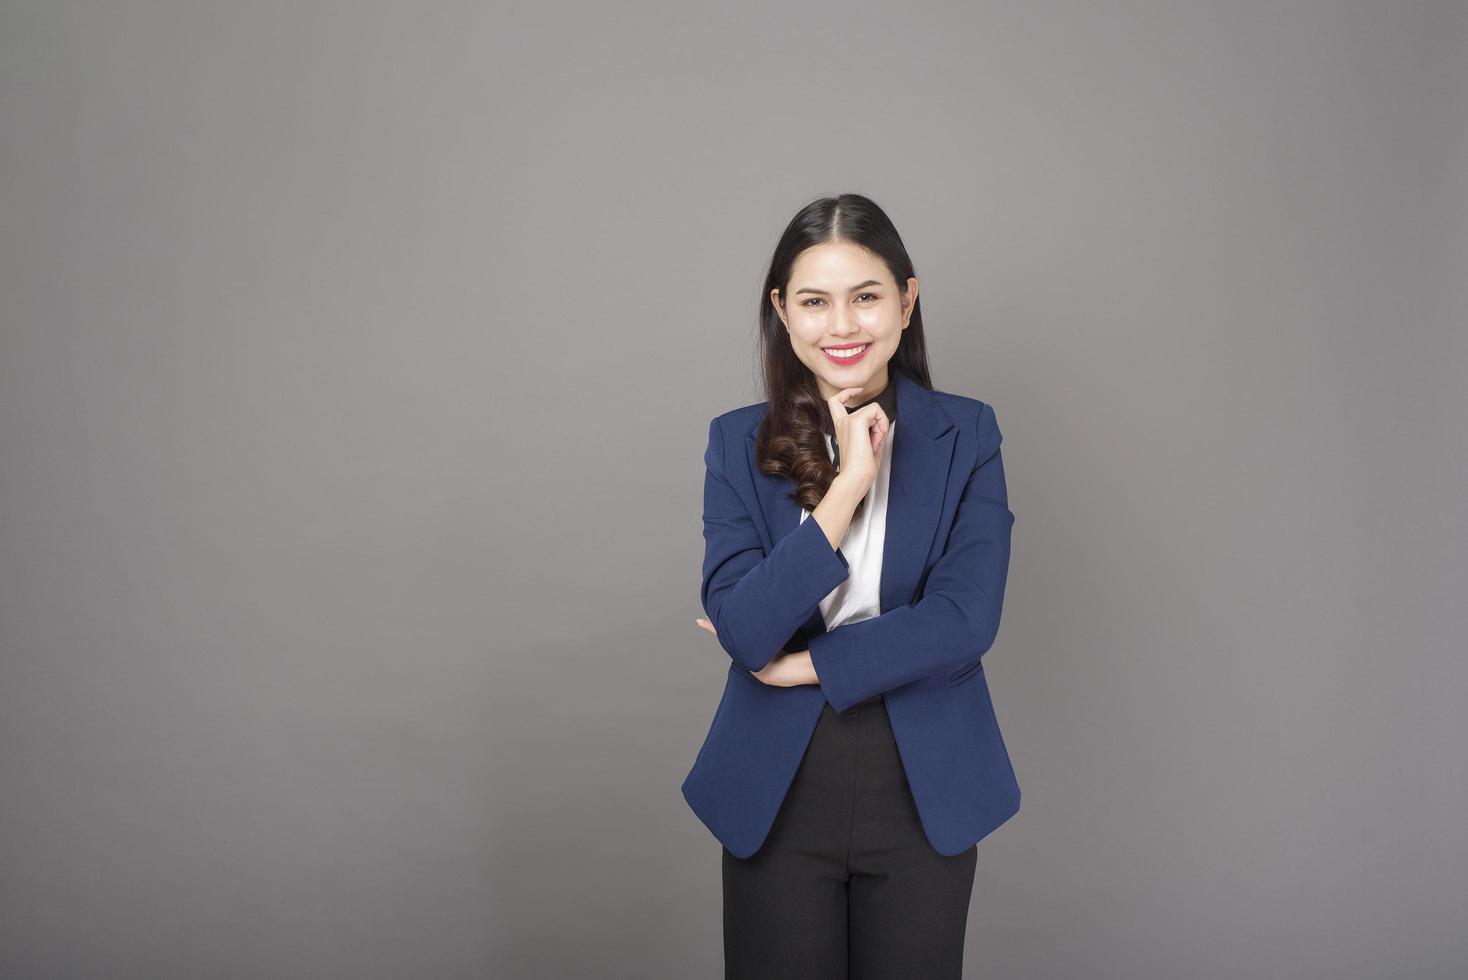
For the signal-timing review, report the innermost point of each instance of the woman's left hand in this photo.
(785, 670)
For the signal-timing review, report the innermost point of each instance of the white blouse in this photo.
(859, 596)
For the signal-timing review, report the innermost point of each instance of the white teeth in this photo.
(851, 352)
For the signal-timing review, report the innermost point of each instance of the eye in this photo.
(813, 299)
(867, 296)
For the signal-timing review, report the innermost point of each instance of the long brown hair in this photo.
(792, 437)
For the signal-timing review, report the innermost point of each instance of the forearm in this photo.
(836, 508)
(930, 637)
(756, 610)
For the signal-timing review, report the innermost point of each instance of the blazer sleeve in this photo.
(755, 601)
(955, 620)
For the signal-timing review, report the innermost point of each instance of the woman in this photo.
(855, 575)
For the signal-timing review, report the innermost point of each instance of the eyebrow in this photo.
(822, 292)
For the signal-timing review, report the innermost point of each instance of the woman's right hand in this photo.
(861, 438)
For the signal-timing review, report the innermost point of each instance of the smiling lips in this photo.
(849, 354)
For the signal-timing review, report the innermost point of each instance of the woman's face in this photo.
(842, 300)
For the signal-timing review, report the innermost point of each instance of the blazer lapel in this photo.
(922, 448)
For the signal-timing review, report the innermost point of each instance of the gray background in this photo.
(357, 362)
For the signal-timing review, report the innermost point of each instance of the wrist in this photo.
(808, 668)
(847, 488)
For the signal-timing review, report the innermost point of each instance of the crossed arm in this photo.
(757, 601)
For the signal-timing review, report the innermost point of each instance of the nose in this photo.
(843, 324)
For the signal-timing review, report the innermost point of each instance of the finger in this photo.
(836, 404)
(884, 425)
(869, 413)
(870, 419)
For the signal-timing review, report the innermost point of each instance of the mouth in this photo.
(849, 354)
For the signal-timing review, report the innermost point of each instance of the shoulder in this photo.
(739, 422)
(961, 408)
(974, 414)
(728, 431)
(979, 433)
(744, 417)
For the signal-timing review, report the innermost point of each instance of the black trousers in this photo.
(846, 886)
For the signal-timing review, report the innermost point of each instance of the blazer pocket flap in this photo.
(965, 671)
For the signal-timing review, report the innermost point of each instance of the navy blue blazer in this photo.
(944, 565)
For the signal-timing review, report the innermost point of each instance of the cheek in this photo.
(806, 328)
(879, 321)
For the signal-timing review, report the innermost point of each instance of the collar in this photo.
(887, 399)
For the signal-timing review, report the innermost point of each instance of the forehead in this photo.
(836, 266)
